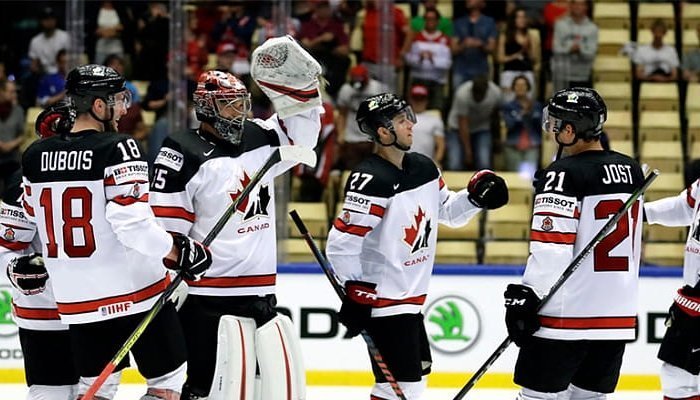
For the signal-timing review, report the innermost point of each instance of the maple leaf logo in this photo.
(244, 182)
(411, 233)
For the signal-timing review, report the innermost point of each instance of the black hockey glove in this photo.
(357, 306)
(28, 274)
(681, 343)
(193, 258)
(487, 190)
(521, 312)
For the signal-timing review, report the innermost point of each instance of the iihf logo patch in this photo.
(9, 234)
(547, 224)
(345, 217)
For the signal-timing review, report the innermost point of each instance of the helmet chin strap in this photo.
(560, 150)
(107, 123)
(395, 142)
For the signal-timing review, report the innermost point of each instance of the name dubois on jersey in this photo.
(555, 203)
(66, 160)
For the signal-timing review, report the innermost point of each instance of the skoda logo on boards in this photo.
(7, 325)
(453, 324)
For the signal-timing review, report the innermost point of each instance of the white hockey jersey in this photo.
(574, 198)
(195, 182)
(17, 238)
(386, 233)
(681, 210)
(87, 195)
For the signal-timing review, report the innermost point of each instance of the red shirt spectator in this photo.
(552, 12)
(371, 31)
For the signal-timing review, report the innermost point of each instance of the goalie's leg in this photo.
(234, 375)
(280, 361)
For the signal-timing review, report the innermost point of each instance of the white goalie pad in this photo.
(287, 74)
(281, 365)
(234, 376)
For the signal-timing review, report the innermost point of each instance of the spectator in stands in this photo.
(151, 45)
(233, 59)
(523, 120)
(132, 122)
(354, 145)
(575, 44)
(109, 28)
(469, 137)
(444, 25)
(372, 31)
(236, 25)
(314, 180)
(552, 12)
(430, 59)
(656, 62)
(473, 42)
(195, 48)
(691, 62)
(268, 21)
(325, 38)
(518, 51)
(44, 46)
(11, 129)
(429, 131)
(51, 86)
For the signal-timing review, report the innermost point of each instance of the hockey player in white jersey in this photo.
(573, 348)
(48, 363)
(382, 245)
(86, 194)
(197, 176)
(680, 347)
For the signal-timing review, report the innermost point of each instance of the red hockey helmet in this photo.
(222, 100)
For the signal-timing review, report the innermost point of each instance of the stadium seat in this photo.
(456, 252)
(610, 41)
(611, 15)
(656, 96)
(666, 156)
(659, 125)
(623, 146)
(617, 95)
(648, 12)
(468, 231)
(509, 222)
(611, 69)
(506, 252)
(665, 185)
(690, 15)
(456, 180)
(645, 37)
(314, 215)
(666, 254)
(296, 250)
(520, 189)
(619, 125)
(149, 118)
(690, 40)
(660, 233)
(694, 125)
(692, 104)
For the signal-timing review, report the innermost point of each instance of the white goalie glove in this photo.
(287, 74)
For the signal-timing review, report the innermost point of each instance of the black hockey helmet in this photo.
(88, 82)
(379, 111)
(582, 108)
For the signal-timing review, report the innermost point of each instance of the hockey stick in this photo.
(335, 282)
(573, 266)
(296, 154)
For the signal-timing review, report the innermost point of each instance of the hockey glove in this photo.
(193, 258)
(521, 312)
(357, 306)
(28, 274)
(487, 190)
(681, 343)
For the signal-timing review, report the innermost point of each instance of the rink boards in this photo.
(464, 319)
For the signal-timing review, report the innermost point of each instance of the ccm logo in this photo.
(515, 302)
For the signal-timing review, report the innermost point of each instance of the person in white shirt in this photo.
(656, 62)
(429, 130)
(44, 46)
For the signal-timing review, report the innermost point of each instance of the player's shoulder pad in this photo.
(374, 176)
(258, 133)
(13, 189)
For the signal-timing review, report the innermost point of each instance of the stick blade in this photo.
(299, 154)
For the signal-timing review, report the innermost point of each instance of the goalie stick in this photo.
(573, 266)
(296, 154)
(335, 282)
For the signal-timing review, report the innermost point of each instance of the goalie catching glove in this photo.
(193, 258)
(487, 190)
(28, 274)
(521, 312)
(357, 306)
(288, 75)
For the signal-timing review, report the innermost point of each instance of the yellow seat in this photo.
(611, 69)
(665, 185)
(619, 125)
(668, 254)
(456, 252)
(694, 125)
(659, 125)
(645, 37)
(456, 180)
(617, 95)
(692, 101)
(659, 233)
(509, 222)
(149, 118)
(468, 231)
(314, 215)
(506, 252)
(296, 250)
(610, 41)
(690, 15)
(142, 86)
(655, 96)
(520, 189)
(690, 40)
(623, 146)
(611, 15)
(648, 12)
(666, 156)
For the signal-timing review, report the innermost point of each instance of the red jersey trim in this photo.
(384, 302)
(553, 237)
(28, 208)
(237, 281)
(129, 200)
(589, 322)
(35, 313)
(173, 212)
(377, 211)
(94, 305)
(14, 245)
(441, 182)
(297, 94)
(352, 229)
(689, 198)
(109, 181)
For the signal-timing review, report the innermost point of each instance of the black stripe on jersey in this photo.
(388, 180)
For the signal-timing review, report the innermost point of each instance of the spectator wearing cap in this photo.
(523, 120)
(473, 42)
(656, 62)
(44, 47)
(354, 145)
(51, 86)
(233, 59)
(429, 131)
(325, 38)
(430, 59)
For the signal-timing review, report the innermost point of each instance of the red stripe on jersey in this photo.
(237, 281)
(373, 397)
(589, 322)
(14, 245)
(284, 129)
(352, 229)
(689, 198)
(28, 208)
(441, 182)
(299, 95)
(377, 210)
(577, 213)
(109, 181)
(35, 313)
(383, 302)
(129, 200)
(173, 212)
(553, 237)
(94, 305)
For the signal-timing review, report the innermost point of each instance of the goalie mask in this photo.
(379, 111)
(223, 101)
(90, 82)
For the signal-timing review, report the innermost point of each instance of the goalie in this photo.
(229, 317)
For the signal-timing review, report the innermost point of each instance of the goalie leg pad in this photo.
(279, 358)
(234, 376)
